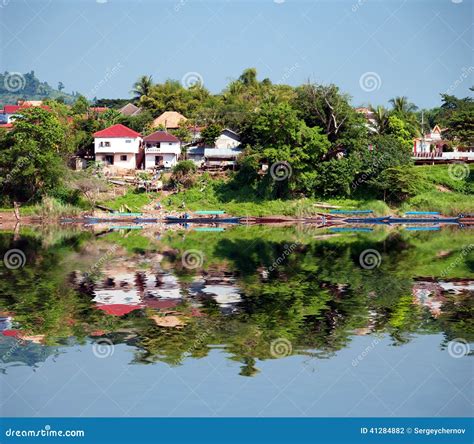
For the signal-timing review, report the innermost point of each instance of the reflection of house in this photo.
(433, 294)
(169, 120)
(118, 146)
(226, 295)
(227, 139)
(221, 157)
(161, 150)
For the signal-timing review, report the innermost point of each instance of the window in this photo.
(123, 158)
(128, 141)
(107, 143)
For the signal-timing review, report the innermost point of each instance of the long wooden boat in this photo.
(201, 220)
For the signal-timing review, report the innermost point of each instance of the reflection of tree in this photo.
(317, 297)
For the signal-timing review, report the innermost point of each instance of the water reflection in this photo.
(254, 287)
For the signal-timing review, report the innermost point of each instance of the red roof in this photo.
(6, 125)
(13, 109)
(12, 333)
(118, 309)
(160, 136)
(118, 130)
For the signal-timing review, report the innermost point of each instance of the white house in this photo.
(10, 112)
(118, 145)
(227, 139)
(162, 150)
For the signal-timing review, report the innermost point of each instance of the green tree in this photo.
(142, 87)
(81, 106)
(210, 134)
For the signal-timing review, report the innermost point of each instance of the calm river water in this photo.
(250, 321)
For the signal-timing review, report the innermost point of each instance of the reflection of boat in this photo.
(203, 217)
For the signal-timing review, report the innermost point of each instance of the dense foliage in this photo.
(307, 140)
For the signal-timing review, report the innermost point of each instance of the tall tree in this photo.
(402, 105)
(142, 87)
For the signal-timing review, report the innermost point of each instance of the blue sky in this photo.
(372, 49)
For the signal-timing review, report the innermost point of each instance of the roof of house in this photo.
(231, 133)
(6, 125)
(118, 309)
(196, 150)
(169, 119)
(160, 136)
(117, 130)
(12, 109)
(222, 152)
(130, 110)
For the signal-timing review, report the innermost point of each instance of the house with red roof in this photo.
(9, 112)
(162, 150)
(119, 146)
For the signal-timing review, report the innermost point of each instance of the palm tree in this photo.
(402, 105)
(381, 119)
(142, 86)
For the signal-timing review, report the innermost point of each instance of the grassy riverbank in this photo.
(442, 192)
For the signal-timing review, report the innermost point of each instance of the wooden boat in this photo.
(203, 217)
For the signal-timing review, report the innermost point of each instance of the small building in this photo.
(130, 110)
(430, 142)
(227, 139)
(196, 154)
(9, 112)
(162, 150)
(169, 120)
(221, 158)
(119, 146)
